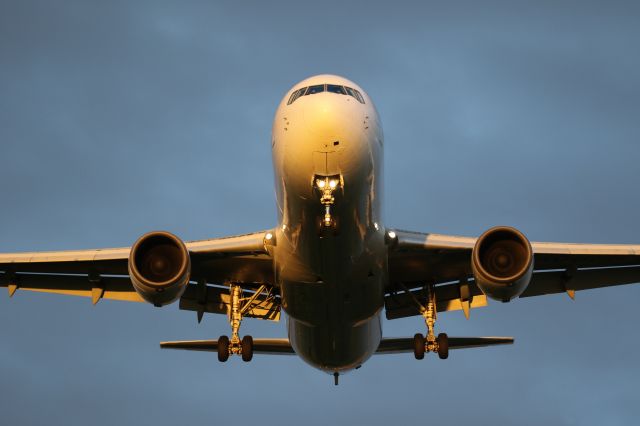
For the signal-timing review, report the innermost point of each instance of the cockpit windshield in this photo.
(331, 88)
(334, 88)
(315, 89)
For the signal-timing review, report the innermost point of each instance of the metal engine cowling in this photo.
(502, 263)
(159, 267)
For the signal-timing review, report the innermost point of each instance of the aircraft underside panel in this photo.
(335, 349)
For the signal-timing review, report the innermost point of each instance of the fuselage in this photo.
(330, 257)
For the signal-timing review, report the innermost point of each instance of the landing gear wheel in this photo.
(247, 348)
(223, 348)
(443, 346)
(418, 346)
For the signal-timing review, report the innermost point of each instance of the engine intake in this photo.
(159, 267)
(502, 263)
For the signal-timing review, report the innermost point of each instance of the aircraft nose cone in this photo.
(327, 115)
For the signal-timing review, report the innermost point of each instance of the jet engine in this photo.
(502, 263)
(159, 267)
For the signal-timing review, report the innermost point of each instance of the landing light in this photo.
(391, 239)
(269, 240)
(333, 183)
(321, 183)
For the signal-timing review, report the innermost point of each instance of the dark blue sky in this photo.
(121, 117)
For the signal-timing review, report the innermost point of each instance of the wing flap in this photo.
(552, 282)
(114, 288)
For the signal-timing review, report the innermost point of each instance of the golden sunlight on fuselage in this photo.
(330, 242)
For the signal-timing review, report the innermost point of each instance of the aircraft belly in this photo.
(335, 349)
(332, 289)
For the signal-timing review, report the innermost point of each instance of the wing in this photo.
(417, 259)
(103, 273)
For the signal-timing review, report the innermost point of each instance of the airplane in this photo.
(330, 264)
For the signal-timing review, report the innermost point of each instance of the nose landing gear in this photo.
(326, 185)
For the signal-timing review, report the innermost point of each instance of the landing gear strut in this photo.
(326, 187)
(430, 343)
(236, 346)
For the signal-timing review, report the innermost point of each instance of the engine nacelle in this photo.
(502, 263)
(159, 267)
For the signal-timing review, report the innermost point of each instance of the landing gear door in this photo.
(325, 163)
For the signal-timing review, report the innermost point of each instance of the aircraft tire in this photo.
(418, 346)
(443, 345)
(247, 348)
(223, 348)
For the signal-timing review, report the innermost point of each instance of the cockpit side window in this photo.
(334, 88)
(295, 95)
(355, 94)
(318, 88)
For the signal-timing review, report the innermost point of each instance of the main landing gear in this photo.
(430, 343)
(235, 345)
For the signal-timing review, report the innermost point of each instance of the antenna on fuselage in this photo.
(335, 378)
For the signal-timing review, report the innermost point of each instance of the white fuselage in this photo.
(331, 277)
